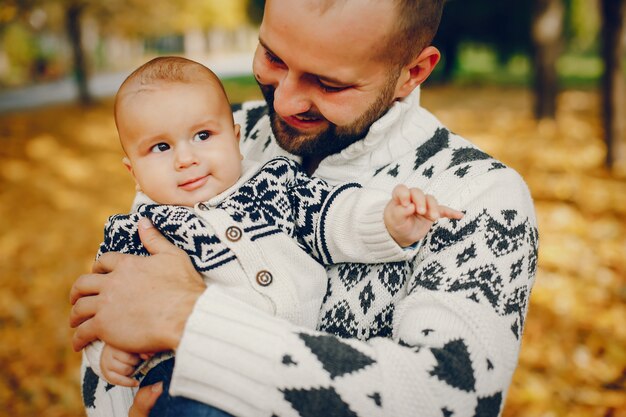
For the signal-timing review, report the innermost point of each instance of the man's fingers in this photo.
(84, 335)
(107, 262)
(153, 241)
(145, 399)
(82, 310)
(85, 285)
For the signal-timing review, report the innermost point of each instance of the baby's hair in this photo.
(167, 69)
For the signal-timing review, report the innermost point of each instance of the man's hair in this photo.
(417, 24)
(167, 69)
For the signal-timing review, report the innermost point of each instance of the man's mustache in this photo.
(268, 93)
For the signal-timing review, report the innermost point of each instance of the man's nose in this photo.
(291, 96)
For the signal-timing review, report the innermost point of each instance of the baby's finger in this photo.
(419, 199)
(450, 213)
(432, 208)
(401, 195)
(131, 359)
(124, 381)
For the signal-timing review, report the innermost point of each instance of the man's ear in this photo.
(129, 167)
(416, 72)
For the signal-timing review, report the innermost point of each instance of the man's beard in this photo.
(332, 139)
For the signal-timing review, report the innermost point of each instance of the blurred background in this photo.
(538, 84)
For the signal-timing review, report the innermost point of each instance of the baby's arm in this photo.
(410, 214)
(117, 366)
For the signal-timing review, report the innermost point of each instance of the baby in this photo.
(259, 233)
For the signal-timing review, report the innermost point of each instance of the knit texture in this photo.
(437, 335)
(259, 226)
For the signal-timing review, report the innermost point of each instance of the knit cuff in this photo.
(357, 232)
(227, 355)
(376, 237)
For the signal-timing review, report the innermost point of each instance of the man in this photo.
(438, 336)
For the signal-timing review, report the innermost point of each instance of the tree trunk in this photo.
(547, 32)
(613, 90)
(73, 14)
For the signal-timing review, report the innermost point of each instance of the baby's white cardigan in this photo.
(263, 241)
(435, 336)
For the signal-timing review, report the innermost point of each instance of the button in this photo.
(264, 278)
(233, 233)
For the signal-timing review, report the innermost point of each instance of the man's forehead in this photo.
(352, 33)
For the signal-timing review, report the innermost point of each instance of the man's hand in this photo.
(145, 399)
(137, 304)
(410, 214)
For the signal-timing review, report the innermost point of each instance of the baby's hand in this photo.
(410, 213)
(117, 366)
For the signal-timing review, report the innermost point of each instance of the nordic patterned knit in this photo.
(256, 240)
(438, 335)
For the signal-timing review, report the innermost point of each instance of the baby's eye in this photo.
(160, 147)
(201, 136)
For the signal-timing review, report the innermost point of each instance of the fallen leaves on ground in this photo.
(61, 176)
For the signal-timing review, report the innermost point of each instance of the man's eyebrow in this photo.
(323, 78)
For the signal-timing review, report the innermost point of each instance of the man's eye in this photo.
(160, 147)
(201, 136)
(272, 58)
(330, 89)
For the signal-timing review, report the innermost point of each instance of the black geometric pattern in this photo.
(461, 172)
(366, 297)
(516, 304)
(516, 269)
(454, 365)
(393, 172)
(466, 255)
(279, 198)
(90, 384)
(485, 278)
(446, 413)
(352, 274)
(462, 155)
(336, 357)
(377, 399)
(448, 234)
(429, 277)
(434, 145)
(504, 239)
(393, 276)
(253, 115)
(339, 320)
(378, 171)
(428, 172)
(382, 325)
(317, 402)
(489, 406)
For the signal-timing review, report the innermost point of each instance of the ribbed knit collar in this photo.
(403, 128)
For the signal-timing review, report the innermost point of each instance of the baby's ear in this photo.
(129, 167)
(237, 131)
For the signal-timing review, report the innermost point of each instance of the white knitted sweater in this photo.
(435, 336)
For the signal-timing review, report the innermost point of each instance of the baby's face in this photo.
(181, 142)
